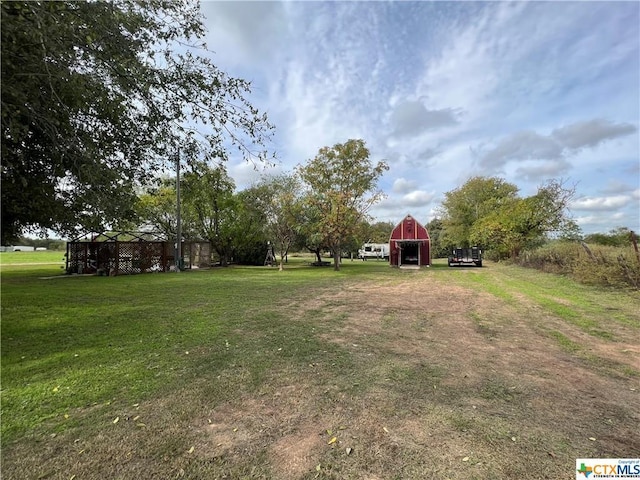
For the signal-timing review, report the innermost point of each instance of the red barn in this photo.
(410, 244)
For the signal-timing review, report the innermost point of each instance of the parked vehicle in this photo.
(374, 250)
(466, 256)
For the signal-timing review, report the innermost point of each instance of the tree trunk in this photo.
(336, 259)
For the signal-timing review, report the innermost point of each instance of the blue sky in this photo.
(443, 91)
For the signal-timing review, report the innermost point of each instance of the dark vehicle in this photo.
(466, 256)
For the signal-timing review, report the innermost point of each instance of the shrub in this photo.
(592, 265)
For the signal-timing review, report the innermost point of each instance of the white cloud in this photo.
(596, 222)
(244, 173)
(417, 198)
(610, 203)
(402, 185)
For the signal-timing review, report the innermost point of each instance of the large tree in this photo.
(342, 184)
(527, 222)
(95, 95)
(488, 212)
(280, 201)
(208, 194)
(469, 203)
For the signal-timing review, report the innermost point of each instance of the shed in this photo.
(410, 244)
(127, 253)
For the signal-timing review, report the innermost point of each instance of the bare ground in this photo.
(441, 382)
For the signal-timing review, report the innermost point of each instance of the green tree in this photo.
(526, 222)
(282, 207)
(378, 232)
(342, 184)
(250, 245)
(465, 205)
(618, 237)
(309, 236)
(157, 208)
(439, 249)
(95, 96)
(208, 195)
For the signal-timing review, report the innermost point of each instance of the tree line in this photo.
(321, 206)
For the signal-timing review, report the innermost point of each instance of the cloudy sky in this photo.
(447, 90)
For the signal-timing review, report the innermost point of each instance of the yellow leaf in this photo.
(66, 415)
(55, 389)
(116, 420)
(140, 424)
(593, 439)
(385, 429)
(136, 418)
(235, 429)
(465, 459)
(318, 468)
(333, 440)
(329, 432)
(191, 449)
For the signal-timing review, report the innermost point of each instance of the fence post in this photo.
(634, 240)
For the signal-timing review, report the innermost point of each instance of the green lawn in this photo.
(248, 372)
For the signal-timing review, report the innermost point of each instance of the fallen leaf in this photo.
(348, 450)
(191, 449)
(318, 468)
(136, 405)
(66, 415)
(329, 432)
(116, 420)
(513, 439)
(235, 429)
(593, 439)
(465, 459)
(551, 454)
(385, 429)
(55, 389)
(72, 476)
(136, 418)
(333, 440)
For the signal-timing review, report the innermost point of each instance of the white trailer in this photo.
(374, 250)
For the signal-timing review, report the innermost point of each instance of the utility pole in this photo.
(178, 218)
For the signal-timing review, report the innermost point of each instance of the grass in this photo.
(242, 372)
(591, 309)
